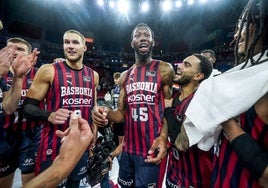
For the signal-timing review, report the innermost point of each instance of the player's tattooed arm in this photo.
(167, 75)
(182, 141)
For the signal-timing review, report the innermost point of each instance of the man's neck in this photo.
(75, 65)
(187, 90)
(140, 62)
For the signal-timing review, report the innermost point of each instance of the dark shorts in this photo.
(134, 172)
(28, 150)
(23, 146)
(79, 172)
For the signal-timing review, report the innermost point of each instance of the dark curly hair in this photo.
(255, 13)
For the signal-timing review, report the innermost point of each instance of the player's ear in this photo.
(199, 76)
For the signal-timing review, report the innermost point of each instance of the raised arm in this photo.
(21, 65)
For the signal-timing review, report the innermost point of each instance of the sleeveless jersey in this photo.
(73, 90)
(191, 168)
(3, 88)
(16, 121)
(228, 171)
(144, 107)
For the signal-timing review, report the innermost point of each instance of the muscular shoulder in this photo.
(46, 73)
(96, 78)
(166, 72)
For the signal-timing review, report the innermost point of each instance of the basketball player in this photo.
(67, 86)
(143, 89)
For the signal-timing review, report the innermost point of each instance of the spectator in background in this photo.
(67, 86)
(117, 129)
(22, 136)
(210, 54)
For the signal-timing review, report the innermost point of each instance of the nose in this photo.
(236, 34)
(180, 65)
(143, 37)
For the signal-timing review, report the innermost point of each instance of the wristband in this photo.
(32, 111)
(173, 125)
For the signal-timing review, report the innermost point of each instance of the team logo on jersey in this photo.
(68, 75)
(69, 82)
(28, 162)
(29, 81)
(151, 185)
(49, 152)
(9, 80)
(82, 170)
(150, 73)
(86, 79)
(4, 169)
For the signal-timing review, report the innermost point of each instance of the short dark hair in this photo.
(205, 66)
(142, 25)
(209, 51)
(116, 75)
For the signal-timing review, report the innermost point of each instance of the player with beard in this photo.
(191, 168)
(241, 149)
(242, 160)
(67, 86)
(143, 89)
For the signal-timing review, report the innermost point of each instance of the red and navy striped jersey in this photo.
(144, 107)
(228, 171)
(73, 90)
(193, 167)
(3, 88)
(16, 121)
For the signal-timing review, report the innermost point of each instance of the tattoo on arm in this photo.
(182, 141)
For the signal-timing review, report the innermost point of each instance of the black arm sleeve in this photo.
(251, 154)
(32, 111)
(173, 125)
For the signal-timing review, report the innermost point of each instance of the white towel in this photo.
(221, 98)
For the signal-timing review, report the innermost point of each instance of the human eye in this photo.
(147, 35)
(137, 35)
(20, 49)
(66, 42)
(76, 42)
